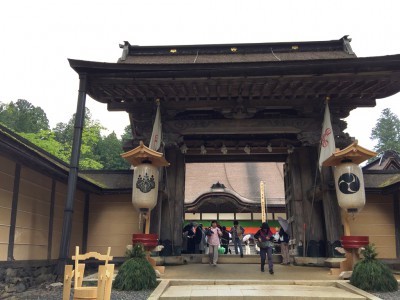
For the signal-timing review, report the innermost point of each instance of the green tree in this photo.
(91, 136)
(370, 274)
(45, 139)
(22, 116)
(387, 132)
(109, 150)
(127, 135)
(136, 273)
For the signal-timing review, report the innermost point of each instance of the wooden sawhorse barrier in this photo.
(104, 283)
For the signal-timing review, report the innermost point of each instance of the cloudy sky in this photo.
(38, 36)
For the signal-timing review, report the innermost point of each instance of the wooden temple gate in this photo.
(268, 97)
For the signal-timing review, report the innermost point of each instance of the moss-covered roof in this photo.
(380, 180)
(23, 151)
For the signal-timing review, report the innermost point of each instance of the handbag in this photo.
(265, 244)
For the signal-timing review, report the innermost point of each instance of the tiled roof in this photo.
(231, 53)
(240, 179)
(388, 160)
(232, 58)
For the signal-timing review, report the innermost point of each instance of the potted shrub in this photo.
(136, 273)
(372, 275)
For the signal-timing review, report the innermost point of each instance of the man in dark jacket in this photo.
(264, 237)
(225, 239)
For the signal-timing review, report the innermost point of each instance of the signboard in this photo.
(263, 204)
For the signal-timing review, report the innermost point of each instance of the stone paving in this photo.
(257, 291)
(245, 281)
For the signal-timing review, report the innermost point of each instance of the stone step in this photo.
(236, 259)
(257, 292)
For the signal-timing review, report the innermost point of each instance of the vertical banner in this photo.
(155, 141)
(327, 140)
(263, 204)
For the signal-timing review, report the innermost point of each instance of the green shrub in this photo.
(136, 273)
(370, 274)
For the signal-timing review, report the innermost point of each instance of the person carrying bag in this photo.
(265, 243)
(213, 243)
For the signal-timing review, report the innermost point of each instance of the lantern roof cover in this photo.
(142, 154)
(354, 153)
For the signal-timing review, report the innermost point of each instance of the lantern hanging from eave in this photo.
(145, 176)
(349, 183)
(349, 180)
(145, 186)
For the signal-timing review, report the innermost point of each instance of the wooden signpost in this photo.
(263, 203)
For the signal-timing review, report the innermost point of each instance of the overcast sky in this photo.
(38, 36)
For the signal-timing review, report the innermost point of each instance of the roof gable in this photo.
(389, 160)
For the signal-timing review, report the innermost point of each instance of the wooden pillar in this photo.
(396, 210)
(173, 204)
(303, 207)
(85, 223)
(312, 208)
(294, 196)
(73, 175)
(51, 219)
(14, 207)
(332, 214)
(156, 212)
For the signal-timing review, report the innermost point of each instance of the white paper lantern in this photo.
(349, 184)
(145, 187)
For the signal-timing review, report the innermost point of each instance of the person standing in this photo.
(198, 235)
(213, 243)
(237, 232)
(203, 241)
(191, 245)
(284, 242)
(225, 239)
(265, 239)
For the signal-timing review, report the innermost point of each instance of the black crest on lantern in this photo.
(145, 184)
(349, 183)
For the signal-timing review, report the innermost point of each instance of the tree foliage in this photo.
(109, 150)
(127, 134)
(97, 151)
(370, 274)
(22, 116)
(91, 136)
(387, 132)
(136, 273)
(45, 139)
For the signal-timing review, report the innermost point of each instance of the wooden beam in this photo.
(241, 126)
(235, 158)
(195, 91)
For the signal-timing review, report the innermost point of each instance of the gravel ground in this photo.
(388, 296)
(45, 292)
